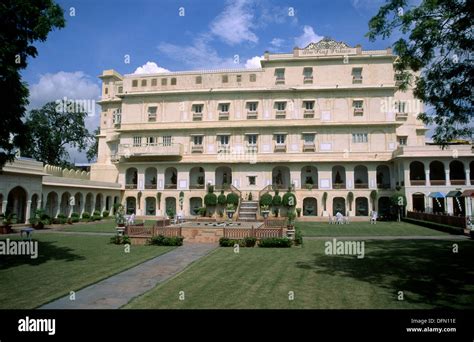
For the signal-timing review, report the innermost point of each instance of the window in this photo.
(173, 81)
(167, 140)
(143, 83)
(117, 117)
(356, 75)
(308, 138)
(198, 79)
(253, 77)
(402, 141)
(135, 83)
(239, 78)
(152, 114)
(308, 75)
(197, 139)
(224, 139)
(308, 105)
(359, 138)
(252, 106)
(358, 106)
(280, 139)
(224, 107)
(252, 139)
(197, 108)
(137, 141)
(280, 75)
(106, 90)
(225, 78)
(280, 106)
(120, 90)
(400, 107)
(154, 82)
(151, 141)
(252, 180)
(164, 81)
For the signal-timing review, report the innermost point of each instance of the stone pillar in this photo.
(93, 204)
(103, 205)
(372, 176)
(468, 176)
(82, 206)
(349, 179)
(28, 211)
(72, 199)
(4, 206)
(446, 175)
(427, 177)
(450, 205)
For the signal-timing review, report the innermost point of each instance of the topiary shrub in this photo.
(233, 198)
(75, 217)
(276, 201)
(222, 199)
(86, 216)
(120, 240)
(250, 241)
(266, 200)
(226, 242)
(289, 200)
(105, 214)
(61, 219)
(96, 216)
(162, 240)
(210, 200)
(282, 242)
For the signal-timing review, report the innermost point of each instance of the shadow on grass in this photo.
(47, 250)
(427, 272)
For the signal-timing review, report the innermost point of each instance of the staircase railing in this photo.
(266, 189)
(234, 189)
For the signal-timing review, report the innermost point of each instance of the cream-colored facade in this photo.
(326, 118)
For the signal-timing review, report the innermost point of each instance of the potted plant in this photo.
(120, 216)
(7, 221)
(40, 219)
(298, 212)
(265, 210)
(291, 219)
(230, 210)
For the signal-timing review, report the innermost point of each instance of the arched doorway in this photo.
(418, 200)
(384, 207)
(362, 206)
(52, 203)
(150, 178)
(196, 178)
(194, 204)
(65, 204)
(338, 177)
(339, 205)
(131, 178)
(99, 203)
(417, 173)
(34, 204)
(171, 178)
(457, 173)
(310, 206)
(361, 177)
(383, 177)
(281, 177)
(17, 203)
(131, 205)
(170, 205)
(309, 177)
(223, 177)
(150, 206)
(88, 206)
(437, 174)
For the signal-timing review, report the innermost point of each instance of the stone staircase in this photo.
(248, 211)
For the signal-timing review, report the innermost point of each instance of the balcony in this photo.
(339, 186)
(223, 115)
(151, 118)
(196, 186)
(358, 111)
(150, 186)
(223, 149)
(280, 114)
(308, 113)
(252, 115)
(197, 116)
(401, 116)
(197, 149)
(383, 186)
(417, 182)
(171, 186)
(356, 79)
(361, 186)
(251, 149)
(308, 79)
(280, 148)
(131, 186)
(150, 151)
(458, 182)
(437, 182)
(280, 80)
(309, 147)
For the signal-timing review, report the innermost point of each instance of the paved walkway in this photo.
(118, 290)
(418, 237)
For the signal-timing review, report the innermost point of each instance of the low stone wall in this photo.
(454, 221)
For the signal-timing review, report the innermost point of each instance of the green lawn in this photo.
(65, 263)
(104, 226)
(427, 272)
(365, 229)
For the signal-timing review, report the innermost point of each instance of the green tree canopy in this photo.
(23, 23)
(437, 44)
(51, 131)
(93, 145)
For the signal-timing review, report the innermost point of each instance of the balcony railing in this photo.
(458, 182)
(150, 150)
(197, 116)
(130, 186)
(308, 79)
(361, 186)
(224, 116)
(357, 79)
(280, 148)
(358, 111)
(280, 114)
(196, 186)
(309, 186)
(171, 186)
(252, 115)
(280, 80)
(383, 186)
(223, 149)
(401, 116)
(150, 186)
(197, 149)
(309, 147)
(437, 182)
(339, 186)
(308, 113)
(250, 149)
(416, 182)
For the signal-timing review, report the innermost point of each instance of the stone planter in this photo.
(265, 213)
(230, 213)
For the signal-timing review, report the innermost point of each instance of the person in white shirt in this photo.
(339, 217)
(373, 217)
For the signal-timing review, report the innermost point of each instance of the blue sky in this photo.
(209, 35)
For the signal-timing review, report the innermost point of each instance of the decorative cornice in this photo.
(327, 43)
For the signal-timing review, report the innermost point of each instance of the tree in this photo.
(51, 130)
(93, 145)
(350, 198)
(437, 45)
(23, 23)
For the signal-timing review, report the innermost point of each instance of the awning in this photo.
(454, 193)
(436, 195)
(468, 193)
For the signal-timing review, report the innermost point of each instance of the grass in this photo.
(428, 272)
(65, 263)
(365, 229)
(104, 226)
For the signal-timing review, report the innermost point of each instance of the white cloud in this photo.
(150, 68)
(307, 37)
(235, 24)
(253, 62)
(277, 42)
